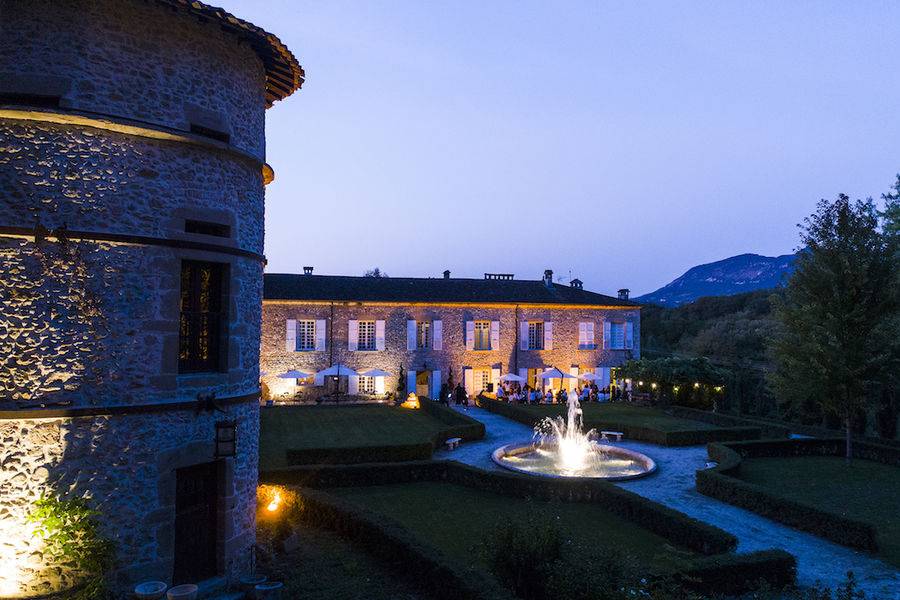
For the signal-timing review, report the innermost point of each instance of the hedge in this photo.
(457, 425)
(768, 429)
(447, 578)
(721, 482)
(737, 573)
(661, 520)
(443, 576)
(684, 437)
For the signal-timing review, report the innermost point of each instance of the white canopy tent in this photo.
(512, 377)
(337, 370)
(293, 374)
(555, 373)
(589, 377)
(376, 373)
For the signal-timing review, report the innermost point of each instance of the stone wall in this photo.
(126, 465)
(274, 358)
(136, 60)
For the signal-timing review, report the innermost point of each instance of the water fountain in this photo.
(561, 448)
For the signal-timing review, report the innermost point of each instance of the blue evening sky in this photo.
(621, 142)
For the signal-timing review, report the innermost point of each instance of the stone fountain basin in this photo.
(644, 463)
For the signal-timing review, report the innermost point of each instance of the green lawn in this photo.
(327, 567)
(621, 414)
(864, 490)
(289, 427)
(454, 519)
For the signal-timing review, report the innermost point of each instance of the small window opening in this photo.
(36, 100)
(210, 133)
(207, 228)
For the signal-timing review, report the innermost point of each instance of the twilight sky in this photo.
(621, 142)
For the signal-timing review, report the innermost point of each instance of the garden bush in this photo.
(768, 429)
(363, 454)
(736, 573)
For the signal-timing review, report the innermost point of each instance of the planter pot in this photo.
(248, 584)
(270, 590)
(187, 591)
(150, 590)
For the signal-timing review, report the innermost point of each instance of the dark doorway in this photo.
(196, 494)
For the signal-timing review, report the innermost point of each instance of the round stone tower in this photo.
(132, 173)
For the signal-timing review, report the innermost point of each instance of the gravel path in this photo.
(673, 485)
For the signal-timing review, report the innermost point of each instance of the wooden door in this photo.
(196, 496)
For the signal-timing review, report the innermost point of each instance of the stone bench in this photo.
(604, 435)
(453, 443)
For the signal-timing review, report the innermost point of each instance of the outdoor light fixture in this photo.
(653, 385)
(226, 439)
(696, 385)
(275, 503)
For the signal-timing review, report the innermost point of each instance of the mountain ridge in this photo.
(734, 275)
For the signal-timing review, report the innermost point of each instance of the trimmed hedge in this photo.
(737, 573)
(768, 430)
(457, 425)
(443, 576)
(721, 482)
(719, 572)
(684, 437)
(661, 520)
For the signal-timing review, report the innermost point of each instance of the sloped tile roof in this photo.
(339, 288)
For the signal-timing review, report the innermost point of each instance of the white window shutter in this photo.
(523, 335)
(582, 335)
(607, 329)
(589, 334)
(436, 384)
(495, 377)
(379, 385)
(410, 334)
(523, 373)
(290, 341)
(319, 380)
(603, 374)
(410, 382)
(548, 335)
(353, 336)
(320, 335)
(437, 335)
(353, 385)
(629, 335)
(573, 383)
(468, 380)
(495, 335)
(470, 335)
(379, 335)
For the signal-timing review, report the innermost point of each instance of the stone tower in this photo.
(132, 173)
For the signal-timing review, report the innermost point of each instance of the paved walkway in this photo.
(673, 485)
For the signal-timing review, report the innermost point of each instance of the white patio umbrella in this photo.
(588, 377)
(338, 369)
(555, 373)
(512, 377)
(293, 374)
(376, 373)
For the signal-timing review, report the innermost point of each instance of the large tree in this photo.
(831, 346)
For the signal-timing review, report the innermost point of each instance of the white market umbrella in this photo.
(588, 377)
(376, 373)
(512, 377)
(340, 370)
(293, 374)
(555, 373)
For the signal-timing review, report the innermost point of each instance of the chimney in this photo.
(447, 274)
(548, 277)
(623, 293)
(307, 270)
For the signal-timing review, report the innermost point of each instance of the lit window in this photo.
(617, 336)
(366, 335)
(482, 378)
(423, 334)
(482, 335)
(306, 335)
(536, 335)
(366, 385)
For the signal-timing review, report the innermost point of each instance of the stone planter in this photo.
(188, 591)
(270, 590)
(150, 590)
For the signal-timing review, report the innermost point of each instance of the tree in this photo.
(889, 403)
(376, 272)
(830, 347)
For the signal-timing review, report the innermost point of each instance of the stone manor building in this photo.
(474, 329)
(132, 174)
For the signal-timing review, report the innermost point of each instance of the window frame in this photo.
(612, 335)
(213, 319)
(369, 326)
(536, 334)
(482, 336)
(366, 385)
(424, 335)
(302, 329)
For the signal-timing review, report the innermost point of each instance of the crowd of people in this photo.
(513, 392)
